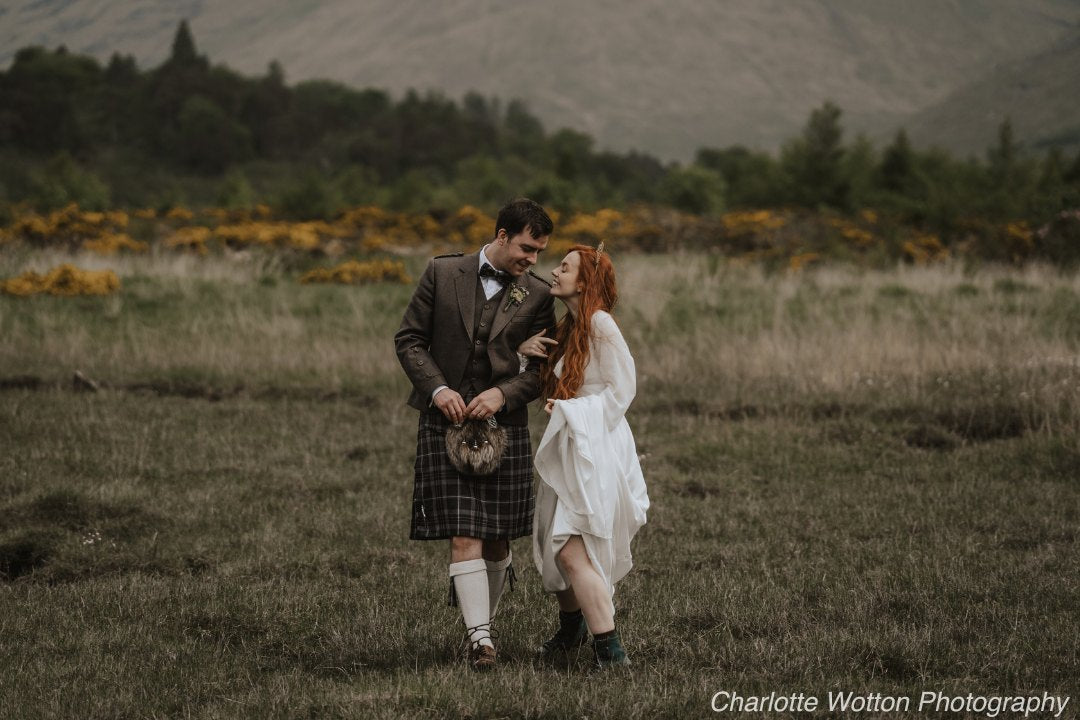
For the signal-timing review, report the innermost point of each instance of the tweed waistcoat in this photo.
(478, 370)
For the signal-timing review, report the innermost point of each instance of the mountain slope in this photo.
(1037, 94)
(662, 76)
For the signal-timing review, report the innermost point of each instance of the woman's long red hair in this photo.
(598, 292)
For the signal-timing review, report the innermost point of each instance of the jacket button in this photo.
(419, 362)
(477, 342)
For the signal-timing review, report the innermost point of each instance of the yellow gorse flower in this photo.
(925, 248)
(110, 244)
(752, 222)
(64, 280)
(798, 262)
(353, 272)
(190, 238)
(179, 213)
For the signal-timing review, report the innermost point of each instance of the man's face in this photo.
(517, 254)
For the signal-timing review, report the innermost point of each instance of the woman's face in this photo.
(565, 284)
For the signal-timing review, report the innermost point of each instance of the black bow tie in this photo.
(486, 271)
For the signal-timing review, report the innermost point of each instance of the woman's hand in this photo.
(535, 346)
(549, 405)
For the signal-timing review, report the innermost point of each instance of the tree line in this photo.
(187, 131)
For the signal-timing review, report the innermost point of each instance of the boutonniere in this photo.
(515, 295)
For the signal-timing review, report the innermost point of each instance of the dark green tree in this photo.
(207, 140)
(569, 151)
(183, 46)
(694, 189)
(62, 180)
(523, 134)
(50, 101)
(813, 163)
(309, 197)
(898, 166)
(1010, 177)
(752, 178)
(1072, 174)
(265, 108)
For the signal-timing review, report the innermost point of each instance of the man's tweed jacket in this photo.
(435, 339)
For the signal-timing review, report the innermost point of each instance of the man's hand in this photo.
(534, 346)
(451, 405)
(485, 404)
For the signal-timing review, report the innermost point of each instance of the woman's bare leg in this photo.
(567, 600)
(587, 587)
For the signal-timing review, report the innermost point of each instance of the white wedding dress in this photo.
(590, 478)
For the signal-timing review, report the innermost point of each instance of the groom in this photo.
(458, 345)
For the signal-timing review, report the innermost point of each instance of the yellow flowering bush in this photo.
(850, 231)
(190, 238)
(1020, 234)
(366, 216)
(752, 222)
(590, 228)
(801, 260)
(70, 226)
(353, 272)
(64, 280)
(301, 236)
(110, 244)
(474, 226)
(179, 213)
(925, 248)
(782, 238)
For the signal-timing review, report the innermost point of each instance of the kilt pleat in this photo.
(447, 503)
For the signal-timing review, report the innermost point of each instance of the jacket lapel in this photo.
(504, 313)
(465, 286)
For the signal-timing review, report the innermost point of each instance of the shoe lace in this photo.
(468, 642)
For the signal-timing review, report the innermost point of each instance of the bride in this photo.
(591, 497)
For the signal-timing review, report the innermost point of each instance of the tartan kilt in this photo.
(447, 503)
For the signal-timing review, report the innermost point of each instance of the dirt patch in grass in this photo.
(696, 489)
(930, 437)
(21, 382)
(967, 422)
(66, 536)
(73, 511)
(26, 552)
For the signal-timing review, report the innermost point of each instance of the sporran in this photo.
(476, 447)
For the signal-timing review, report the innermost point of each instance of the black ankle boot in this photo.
(572, 633)
(609, 650)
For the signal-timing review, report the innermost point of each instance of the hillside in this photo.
(661, 77)
(1038, 94)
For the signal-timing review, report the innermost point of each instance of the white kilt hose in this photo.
(448, 504)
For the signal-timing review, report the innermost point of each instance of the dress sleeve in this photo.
(616, 366)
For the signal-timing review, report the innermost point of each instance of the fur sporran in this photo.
(476, 447)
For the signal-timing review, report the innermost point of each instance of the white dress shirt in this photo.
(491, 286)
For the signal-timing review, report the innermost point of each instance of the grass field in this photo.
(861, 481)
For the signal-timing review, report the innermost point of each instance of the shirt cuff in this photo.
(436, 392)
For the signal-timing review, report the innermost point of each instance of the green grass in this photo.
(854, 488)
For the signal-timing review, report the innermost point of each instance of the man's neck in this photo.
(489, 253)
